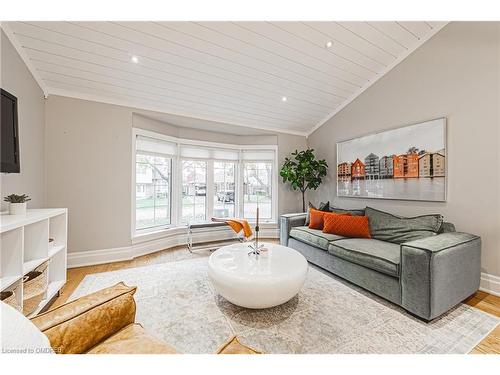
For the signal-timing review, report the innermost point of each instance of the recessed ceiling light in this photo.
(284, 99)
(329, 44)
(135, 59)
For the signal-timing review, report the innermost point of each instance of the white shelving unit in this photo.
(24, 245)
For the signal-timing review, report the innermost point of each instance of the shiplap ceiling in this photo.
(231, 72)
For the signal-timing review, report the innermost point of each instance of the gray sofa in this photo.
(427, 276)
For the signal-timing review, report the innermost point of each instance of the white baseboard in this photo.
(490, 284)
(93, 257)
(118, 254)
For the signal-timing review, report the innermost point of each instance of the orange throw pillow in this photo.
(316, 219)
(346, 225)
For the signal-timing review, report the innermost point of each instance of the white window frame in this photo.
(236, 183)
(274, 190)
(207, 179)
(152, 228)
(176, 188)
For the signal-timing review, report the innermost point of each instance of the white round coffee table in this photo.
(257, 283)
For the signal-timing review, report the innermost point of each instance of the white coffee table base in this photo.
(257, 283)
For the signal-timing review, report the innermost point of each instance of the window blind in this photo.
(256, 155)
(198, 152)
(156, 146)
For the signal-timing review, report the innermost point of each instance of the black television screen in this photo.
(10, 135)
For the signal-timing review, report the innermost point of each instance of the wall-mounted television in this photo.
(9, 141)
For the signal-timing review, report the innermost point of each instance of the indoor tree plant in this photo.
(17, 203)
(304, 172)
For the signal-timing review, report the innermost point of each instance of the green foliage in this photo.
(14, 198)
(303, 171)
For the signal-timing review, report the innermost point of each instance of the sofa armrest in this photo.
(439, 272)
(79, 325)
(287, 222)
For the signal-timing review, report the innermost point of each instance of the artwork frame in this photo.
(376, 165)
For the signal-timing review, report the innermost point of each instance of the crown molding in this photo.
(19, 48)
(370, 83)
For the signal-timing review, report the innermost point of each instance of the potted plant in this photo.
(17, 203)
(304, 172)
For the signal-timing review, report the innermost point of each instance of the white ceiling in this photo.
(230, 72)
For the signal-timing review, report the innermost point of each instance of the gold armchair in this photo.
(101, 322)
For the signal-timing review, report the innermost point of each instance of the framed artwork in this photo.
(406, 163)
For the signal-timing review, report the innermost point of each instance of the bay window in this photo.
(257, 187)
(194, 191)
(258, 173)
(180, 181)
(224, 189)
(153, 165)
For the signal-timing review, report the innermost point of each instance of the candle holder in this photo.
(255, 246)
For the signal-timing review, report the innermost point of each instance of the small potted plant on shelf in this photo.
(17, 203)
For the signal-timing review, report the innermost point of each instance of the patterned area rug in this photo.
(177, 303)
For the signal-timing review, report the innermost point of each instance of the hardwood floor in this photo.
(480, 300)
(490, 304)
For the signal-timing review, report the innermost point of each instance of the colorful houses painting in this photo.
(428, 164)
(386, 166)
(431, 164)
(357, 170)
(372, 167)
(403, 163)
(406, 166)
(344, 171)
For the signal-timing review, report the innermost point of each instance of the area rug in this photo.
(177, 303)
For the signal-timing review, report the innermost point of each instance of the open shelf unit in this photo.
(24, 245)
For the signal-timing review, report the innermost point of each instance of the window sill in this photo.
(155, 234)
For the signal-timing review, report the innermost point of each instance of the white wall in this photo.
(455, 74)
(16, 79)
(89, 154)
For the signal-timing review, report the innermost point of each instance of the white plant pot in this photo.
(17, 208)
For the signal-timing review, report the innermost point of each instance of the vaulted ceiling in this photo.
(285, 76)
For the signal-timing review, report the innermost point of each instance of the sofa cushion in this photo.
(374, 254)
(397, 229)
(314, 237)
(346, 225)
(322, 207)
(316, 220)
(447, 228)
(353, 212)
(132, 339)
